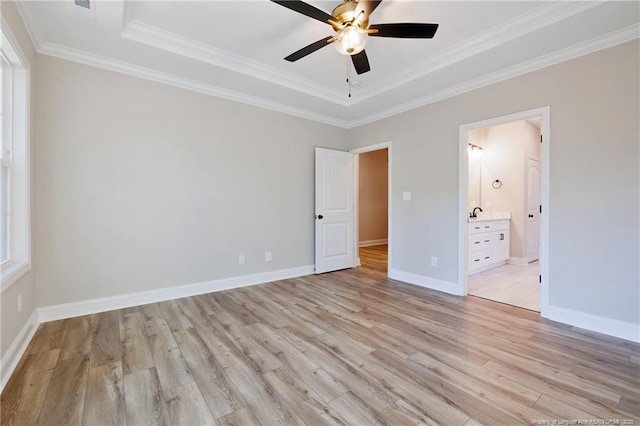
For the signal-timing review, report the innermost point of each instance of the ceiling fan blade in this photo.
(361, 62)
(305, 9)
(404, 30)
(309, 49)
(366, 6)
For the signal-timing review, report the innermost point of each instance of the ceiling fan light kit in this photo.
(350, 20)
(350, 40)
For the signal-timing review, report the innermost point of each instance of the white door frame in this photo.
(362, 150)
(463, 189)
(528, 239)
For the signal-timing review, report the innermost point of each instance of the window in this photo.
(15, 256)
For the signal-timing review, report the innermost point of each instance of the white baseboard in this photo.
(422, 281)
(12, 356)
(92, 306)
(608, 326)
(487, 267)
(520, 261)
(370, 243)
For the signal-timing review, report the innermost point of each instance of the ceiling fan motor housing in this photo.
(345, 15)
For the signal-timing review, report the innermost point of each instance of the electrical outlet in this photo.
(20, 302)
(434, 261)
(267, 256)
(241, 259)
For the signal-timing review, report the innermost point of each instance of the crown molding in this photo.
(171, 42)
(526, 23)
(31, 23)
(531, 21)
(611, 39)
(86, 58)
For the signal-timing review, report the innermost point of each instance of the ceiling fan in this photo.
(350, 21)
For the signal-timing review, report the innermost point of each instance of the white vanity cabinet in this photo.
(488, 244)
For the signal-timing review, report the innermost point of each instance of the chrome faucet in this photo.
(474, 214)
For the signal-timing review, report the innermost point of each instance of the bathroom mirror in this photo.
(475, 176)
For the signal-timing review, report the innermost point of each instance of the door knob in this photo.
(319, 216)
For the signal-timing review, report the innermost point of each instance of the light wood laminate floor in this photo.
(375, 258)
(514, 285)
(350, 347)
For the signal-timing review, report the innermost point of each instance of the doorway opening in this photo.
(503, 230)
(373, 189)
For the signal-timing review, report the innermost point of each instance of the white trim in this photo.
(530, 21)
(370, 243)
(86, 58)
(614, 38)
(369, 148)
(171, 42)
(427, 282)
(376, 147)
(20, 182)
(608, 326)
(17, 348)
(31, 22)
(538, 18)
(92, 306)
(487, 267)
(519, 261)
(12, 272)
(463, 183)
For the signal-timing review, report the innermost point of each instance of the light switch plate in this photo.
(406, 196)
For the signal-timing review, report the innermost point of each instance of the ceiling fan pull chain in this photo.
(349, 73)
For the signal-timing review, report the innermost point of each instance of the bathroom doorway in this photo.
(503, 210)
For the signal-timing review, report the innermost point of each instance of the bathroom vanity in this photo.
(488, 242)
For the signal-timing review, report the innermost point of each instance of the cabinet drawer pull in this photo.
(486, 241)
(476, 242)
(501, 237)
(476, 260)
(487, 226)
(486, 257)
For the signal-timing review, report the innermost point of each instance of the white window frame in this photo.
(16, 154)
(5, 147)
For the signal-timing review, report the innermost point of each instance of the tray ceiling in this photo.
(235, 49)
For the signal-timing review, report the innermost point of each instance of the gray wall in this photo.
(594, 177)
(142, 186)
(12, 321)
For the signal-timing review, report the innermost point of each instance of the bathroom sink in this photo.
(485, 216)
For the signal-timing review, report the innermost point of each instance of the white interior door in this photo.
(533, 212)
(335, 213)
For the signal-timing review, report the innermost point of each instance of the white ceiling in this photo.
(235, 49)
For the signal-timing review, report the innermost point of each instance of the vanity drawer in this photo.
(480, 258)
(479, 242)
(496, 225)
